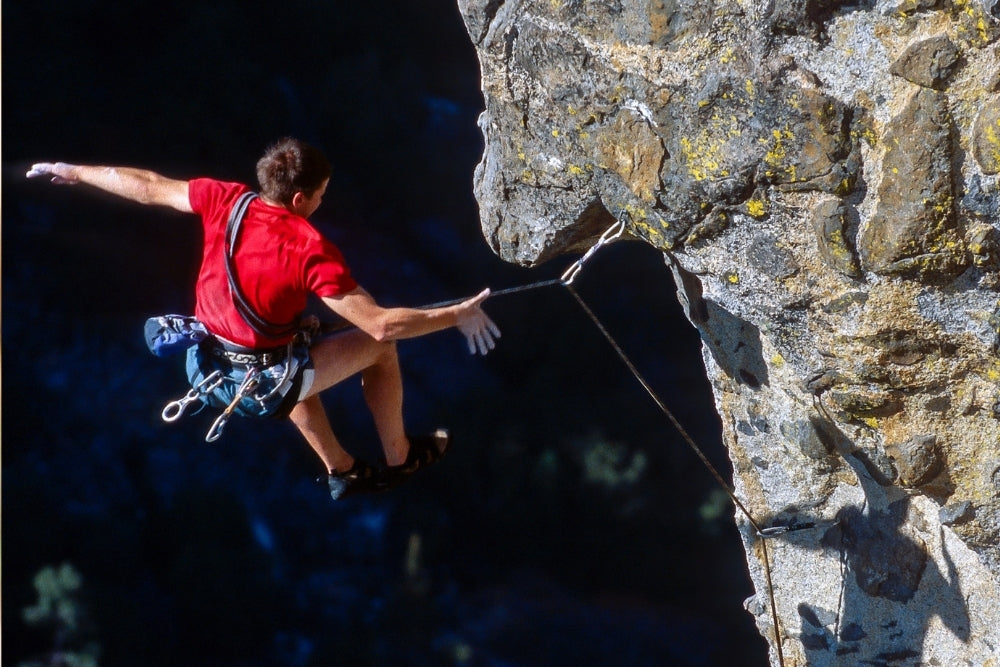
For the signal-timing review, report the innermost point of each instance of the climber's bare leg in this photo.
(336, 359)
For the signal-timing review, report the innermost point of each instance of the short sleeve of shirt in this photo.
(326, 271)
(206, 194)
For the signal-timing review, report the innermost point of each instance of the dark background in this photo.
(569, 525)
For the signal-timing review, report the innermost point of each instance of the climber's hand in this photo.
(479, 330)
(59, 173)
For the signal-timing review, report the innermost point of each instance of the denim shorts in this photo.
(275, 394)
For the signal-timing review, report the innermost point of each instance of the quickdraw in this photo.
(249, 383)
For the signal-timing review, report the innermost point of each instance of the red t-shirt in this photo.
(280, 259)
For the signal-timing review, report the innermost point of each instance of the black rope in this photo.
(502, 292)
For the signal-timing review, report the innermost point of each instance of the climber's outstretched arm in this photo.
(139, 185)
(388, 324)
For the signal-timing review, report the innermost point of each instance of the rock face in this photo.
(823, 180)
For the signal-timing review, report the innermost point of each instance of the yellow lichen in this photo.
(756, 208)
(651, 232)
(992, 136)
(866, 134)
(777, 153)
(703, 155)
(636, 213)
(993, 374)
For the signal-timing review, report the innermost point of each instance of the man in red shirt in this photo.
(279, 259)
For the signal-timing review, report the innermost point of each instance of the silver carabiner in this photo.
(174, 409)
(612, 233)
(215, 432)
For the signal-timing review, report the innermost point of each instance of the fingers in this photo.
(485, 342)
(491, 325)
(58, 171)
(481, 335)
(39, 169)
(481, 343)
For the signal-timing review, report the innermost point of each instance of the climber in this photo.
(258, 267)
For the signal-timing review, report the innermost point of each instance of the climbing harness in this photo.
(261, 380)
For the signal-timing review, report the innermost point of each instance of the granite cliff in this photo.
(822, 178)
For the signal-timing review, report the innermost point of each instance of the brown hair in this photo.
(289, 166)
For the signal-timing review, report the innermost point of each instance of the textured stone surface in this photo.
(928, 63)
(914, 230)
(986, 138)
(822, 179)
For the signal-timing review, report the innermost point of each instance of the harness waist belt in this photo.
(246, 356)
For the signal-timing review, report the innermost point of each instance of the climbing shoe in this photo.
(361, 478)
(424, 451)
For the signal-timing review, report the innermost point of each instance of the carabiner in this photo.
(215, 432)
(612, 233)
